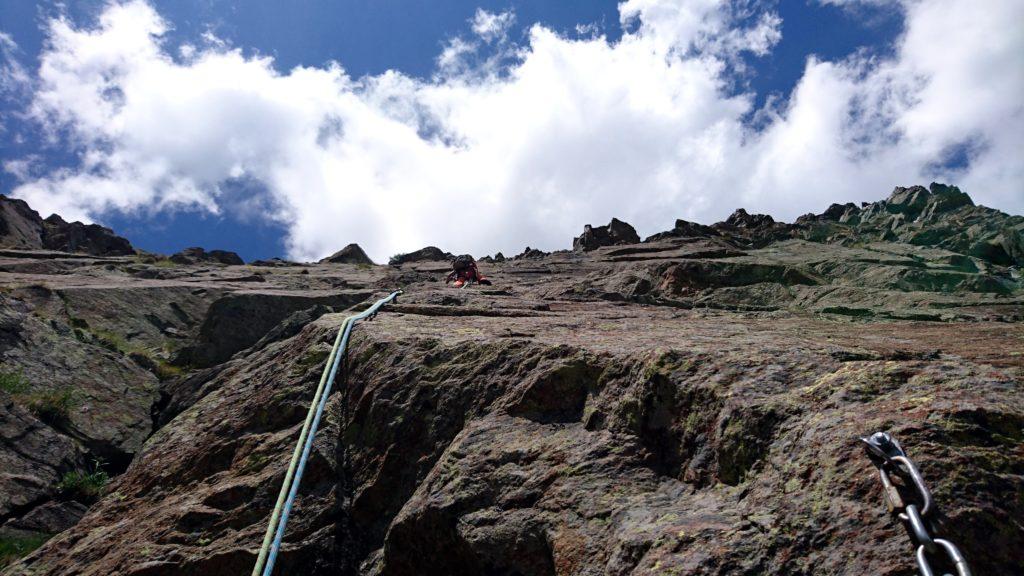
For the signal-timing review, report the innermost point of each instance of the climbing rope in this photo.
(290, 487)
(889, 457)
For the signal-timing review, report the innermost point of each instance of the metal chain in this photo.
(889, 457)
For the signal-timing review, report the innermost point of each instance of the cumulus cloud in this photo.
(863, 123)
(516, 143)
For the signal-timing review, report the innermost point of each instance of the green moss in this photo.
(15, 546)
(115, 342)
(693, 423)
(254, 463)
(13, 383)
(629, 411)
(312, 358)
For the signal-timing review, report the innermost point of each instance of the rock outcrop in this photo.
(351, 254)
(616, 232)
(88, 238)
(429, 253)
(22, 228)
(530, 254)
(689, 404)
(198, 255)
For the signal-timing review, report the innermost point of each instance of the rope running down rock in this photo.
(290, 487)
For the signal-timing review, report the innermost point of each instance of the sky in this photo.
(292, 129)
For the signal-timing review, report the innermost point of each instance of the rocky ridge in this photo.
(688, 404)
(21, 227)
(351, 254)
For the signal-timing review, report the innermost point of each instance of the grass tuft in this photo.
(165, 370)
(52, 406)
(84, 485)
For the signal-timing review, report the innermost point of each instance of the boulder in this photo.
(351, 254)
(429, 253)
(198, 255)
(616, 232)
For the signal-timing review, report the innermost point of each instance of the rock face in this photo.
(34, 458)
(430, 253)
(616, 232)
(237, 321)
(685, 405)
(22, 228)
(351, 254)
(198, 255)
(20, 225)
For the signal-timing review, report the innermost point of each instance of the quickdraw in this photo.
(889, 457)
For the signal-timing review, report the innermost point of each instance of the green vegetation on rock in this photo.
(15, 546)
(52, 406)
(84, 485)
(13, 383)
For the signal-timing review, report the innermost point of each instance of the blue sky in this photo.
(758, 76)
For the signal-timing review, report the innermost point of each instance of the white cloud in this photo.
(15, 82)
(491, 26)
(860, 125)
(526, 143)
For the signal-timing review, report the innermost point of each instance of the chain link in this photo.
(889, 457)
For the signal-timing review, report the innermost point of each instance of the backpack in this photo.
(462, 262)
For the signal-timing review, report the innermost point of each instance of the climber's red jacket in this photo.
(467, 275)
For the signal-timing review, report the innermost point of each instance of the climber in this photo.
(465, 272)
